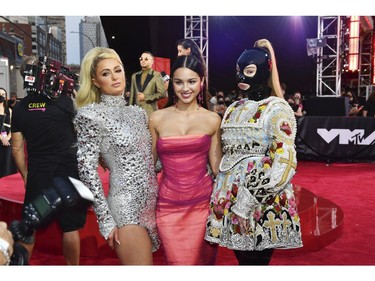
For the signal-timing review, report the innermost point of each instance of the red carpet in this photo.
(350, 186)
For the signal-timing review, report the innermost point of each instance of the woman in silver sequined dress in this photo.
(253, 208)
(119, 135)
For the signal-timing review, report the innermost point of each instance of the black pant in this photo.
(254, 257)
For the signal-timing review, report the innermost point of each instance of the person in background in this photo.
(283, 90)
(45, 123)
(166, 79)
(253, 207)
(231, 97)
(5, 117)
(127, 91)
(212, 98)
(12, 101)
(7, 165)
(227, 101)
(369, 106)
(126, 96)
(354, 106)
(220, 107)
(116, 135)
(6, 244)
(147, 85)
(186, 139)
(298, 106)
(240, 96)
(188, 47)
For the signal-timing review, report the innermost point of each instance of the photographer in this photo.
(43, 120)
(6, 244)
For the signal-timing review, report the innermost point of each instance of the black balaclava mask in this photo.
(254, 85)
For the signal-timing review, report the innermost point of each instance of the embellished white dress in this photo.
(119, 134)
(255, 176)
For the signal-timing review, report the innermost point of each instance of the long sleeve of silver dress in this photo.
(119, 134)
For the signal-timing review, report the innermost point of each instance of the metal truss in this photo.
(328, 74)
(196, 28)
(365, 64)
(332, 31)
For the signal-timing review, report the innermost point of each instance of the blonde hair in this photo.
(273, 82)
(88, 93)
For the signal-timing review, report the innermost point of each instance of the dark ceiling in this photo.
(228, 37)
(135, 34)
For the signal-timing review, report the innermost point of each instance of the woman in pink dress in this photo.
(186, 138)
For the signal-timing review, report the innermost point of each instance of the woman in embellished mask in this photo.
(118, 134)
(185, 137)
(253, 208)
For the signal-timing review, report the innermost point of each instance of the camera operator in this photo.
(43, 121)
(6, 244)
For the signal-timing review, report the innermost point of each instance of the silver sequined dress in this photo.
(120, 135)
(254, 182)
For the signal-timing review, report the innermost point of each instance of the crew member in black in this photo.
(44, 125)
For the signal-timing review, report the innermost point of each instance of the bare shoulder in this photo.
(155, 115)
(159, 114)
(212, 117)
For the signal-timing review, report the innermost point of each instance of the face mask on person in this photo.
(261, 62)
(220, 101)
(2, 99)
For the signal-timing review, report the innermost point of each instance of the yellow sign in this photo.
(20, 49)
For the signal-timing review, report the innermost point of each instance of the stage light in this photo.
(353, 56)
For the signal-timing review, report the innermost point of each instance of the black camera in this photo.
(49, 77)
(64, 192)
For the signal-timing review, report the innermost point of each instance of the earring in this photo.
(200, 98)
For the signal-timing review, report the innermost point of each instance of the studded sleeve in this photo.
(89, 138)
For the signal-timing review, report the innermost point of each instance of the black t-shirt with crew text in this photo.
(48, 131)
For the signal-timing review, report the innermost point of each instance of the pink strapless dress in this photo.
(183, 203)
